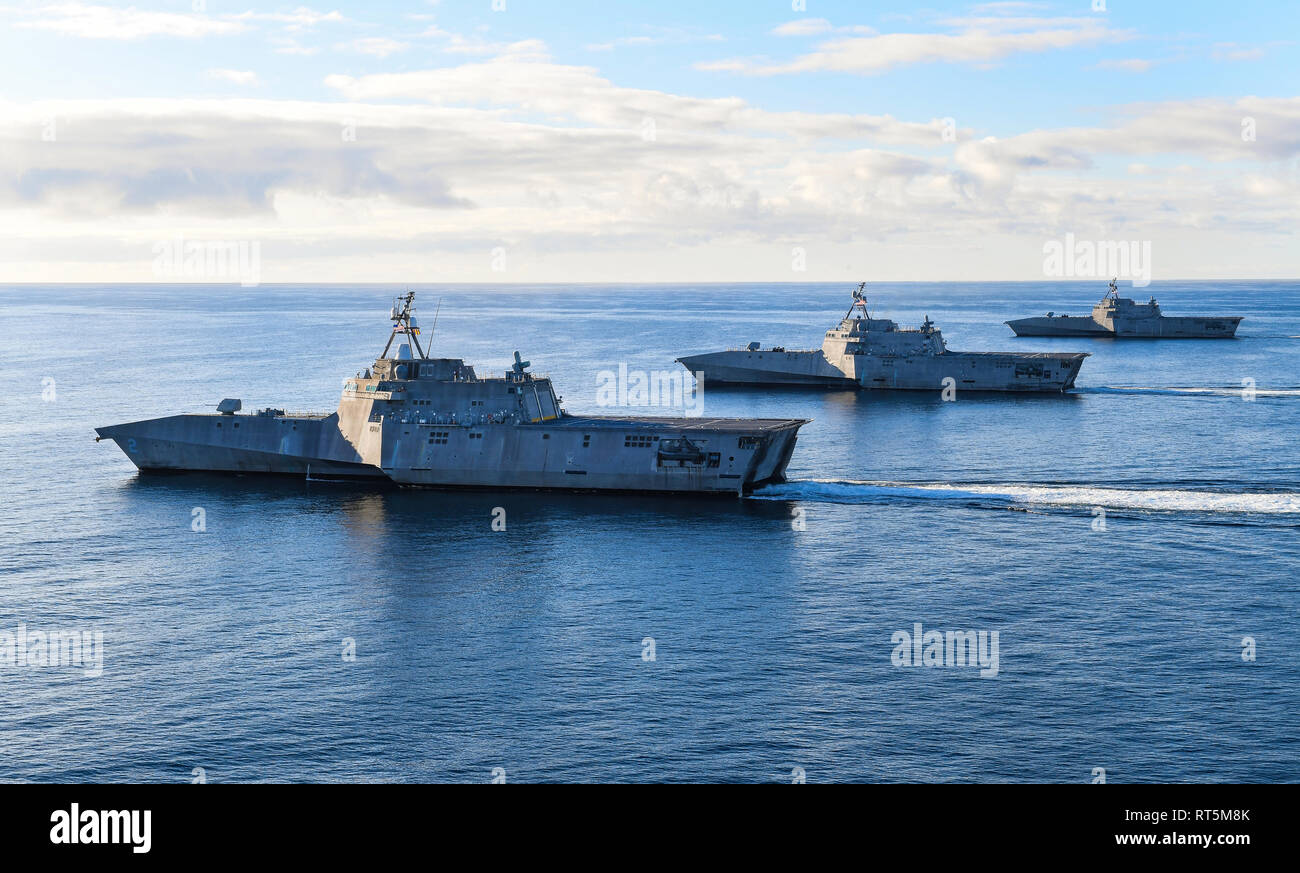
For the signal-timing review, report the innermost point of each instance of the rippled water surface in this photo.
(1123, 541)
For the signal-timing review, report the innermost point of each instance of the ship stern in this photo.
(768, 465)
(1073, 364)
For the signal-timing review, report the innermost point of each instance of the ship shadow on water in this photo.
(838, 402)
(882, 395)
(935, 398)
(381, 503)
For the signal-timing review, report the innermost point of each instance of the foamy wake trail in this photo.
(1204, 392)
(1167, 500)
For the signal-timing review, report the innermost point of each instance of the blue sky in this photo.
(587, 139)
(1046, 88)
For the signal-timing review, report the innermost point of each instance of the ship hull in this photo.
(1179, 327)
(720, 456)
(969, 371)
(1165, 327)
(580, 453)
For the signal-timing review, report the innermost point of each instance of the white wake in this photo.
(1028, 494)
(1192, 391)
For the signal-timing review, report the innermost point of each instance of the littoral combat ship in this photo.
(866, 352)
(422, 421)
(1122, 317)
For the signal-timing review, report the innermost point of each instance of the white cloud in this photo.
(525, 85)
(734, 65)
(1231, 51)
(1204, 131)
(290, 46)
(94, 21)
(378, 46)
(553, 163)
(622, 41)
(657, 36)
(1127, 65)
(1007, 7)
(803, 27)
(235, 77)
(817, 26)
(1209, 129)
(301, 18)
(459, 44)
(973, 40)
(109, 22)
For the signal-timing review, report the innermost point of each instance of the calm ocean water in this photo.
(523, 650)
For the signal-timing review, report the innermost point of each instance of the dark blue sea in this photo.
(1133, 544)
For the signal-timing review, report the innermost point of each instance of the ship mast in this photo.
(403, 316)
(859, 299)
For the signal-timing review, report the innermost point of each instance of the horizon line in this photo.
(684, 282)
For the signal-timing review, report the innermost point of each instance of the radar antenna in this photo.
(1113, 288)
(859, 299)
(517, 369)
(403, 316)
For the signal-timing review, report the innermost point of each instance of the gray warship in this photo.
(866, 352)
(1122, 317)
(422, 421)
